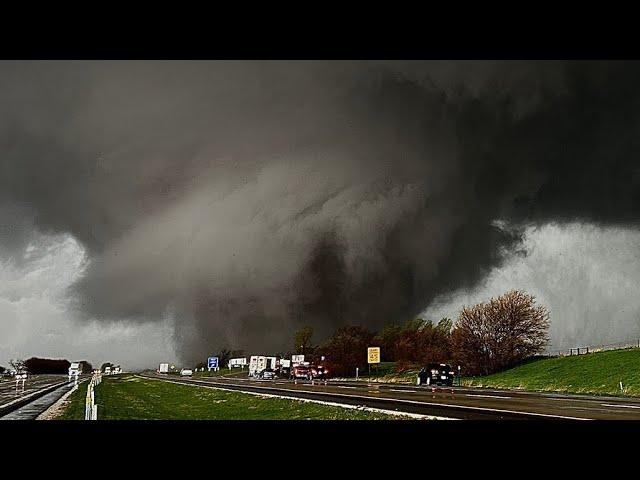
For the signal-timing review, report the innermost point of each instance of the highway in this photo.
(456, 402)
(40, 392)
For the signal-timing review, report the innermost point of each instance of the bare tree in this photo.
(491, 336)
(17, 365)
(302, 340)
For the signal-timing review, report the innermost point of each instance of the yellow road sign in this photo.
(373, 353)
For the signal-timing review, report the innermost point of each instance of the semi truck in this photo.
(164, 368)
(75, 369)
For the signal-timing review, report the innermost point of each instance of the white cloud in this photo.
(586, 275)
(35, 321)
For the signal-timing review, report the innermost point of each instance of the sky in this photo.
(161, 210)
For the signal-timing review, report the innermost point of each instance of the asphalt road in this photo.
(38, 395)
(457, 402)
(9, 393)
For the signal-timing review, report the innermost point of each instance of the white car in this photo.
(186, 372)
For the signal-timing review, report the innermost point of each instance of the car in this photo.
(301, 371)
(268, 374)
(436, 374)
(186, 372)
(319, 371)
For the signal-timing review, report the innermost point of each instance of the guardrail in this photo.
(593, 348)
(91, 409)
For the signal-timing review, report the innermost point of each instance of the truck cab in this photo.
(75, 369)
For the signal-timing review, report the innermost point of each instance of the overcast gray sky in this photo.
(169, 209)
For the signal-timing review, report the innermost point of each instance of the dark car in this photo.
(436, 374)
(268, 374)
(319, 371)
(301, 371)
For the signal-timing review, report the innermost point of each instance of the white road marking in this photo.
(321, 402)
(619, 406)
(484, 396)
(344, 386)
(394, 390)
(415, 402)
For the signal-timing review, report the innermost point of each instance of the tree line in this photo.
(42, 366)
(485, 338)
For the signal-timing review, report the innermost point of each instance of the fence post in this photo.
(91, 409)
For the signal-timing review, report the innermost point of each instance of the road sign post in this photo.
(373, 356)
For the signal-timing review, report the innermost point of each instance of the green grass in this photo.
(384, 372)
(135, 398)
(594, 373)
(75, 408)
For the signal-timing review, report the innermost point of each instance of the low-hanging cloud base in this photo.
(244, 199)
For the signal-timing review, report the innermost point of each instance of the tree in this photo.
(17, 365)
(445, 325)
(105, 365)
(35, 365)
(387, 339)
(302, 340)
(223, 357)
(347, 349)
(86, 366)
(2, 370)
(492, 336)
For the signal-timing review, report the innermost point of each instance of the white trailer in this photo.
(238, 362)
(258, 363)
(285, 363)
(164, 368)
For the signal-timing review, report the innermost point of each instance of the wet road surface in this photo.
(456, 402)
(34, 408)
(8, 391)
(39, 393)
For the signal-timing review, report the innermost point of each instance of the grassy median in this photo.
(595, 373)
(133, 398)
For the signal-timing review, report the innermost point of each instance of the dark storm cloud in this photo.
(247, 198)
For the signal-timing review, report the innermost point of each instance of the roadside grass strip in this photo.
(136, 398)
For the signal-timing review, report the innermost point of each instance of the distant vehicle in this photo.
(258, 363)
(319, 371)
(268, 374)
(164, 368)
(107, 370)
(237, 362)
(285, 368)
(436, 374)
(75, 369)
(186, 372)
(301, 371)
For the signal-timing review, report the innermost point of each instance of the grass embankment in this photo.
(75, 403)
(135, 398)
(384, 372)
(595, 373)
